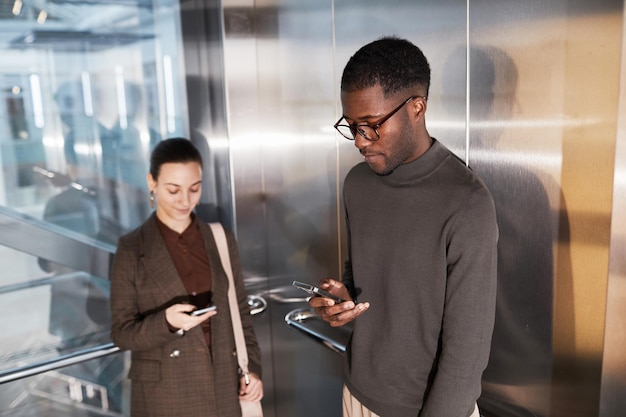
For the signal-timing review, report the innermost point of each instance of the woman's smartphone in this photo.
(201, 311)
(315, 291)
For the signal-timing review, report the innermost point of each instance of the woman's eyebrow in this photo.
(178, 185)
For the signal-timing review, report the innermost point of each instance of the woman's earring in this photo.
(151, 199)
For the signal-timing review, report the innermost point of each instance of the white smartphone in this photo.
(316, 291)
(201, 311)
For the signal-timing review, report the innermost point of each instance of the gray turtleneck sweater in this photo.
(422, 251)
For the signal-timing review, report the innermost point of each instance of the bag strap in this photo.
(222, 246)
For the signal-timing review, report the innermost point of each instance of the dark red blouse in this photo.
(192, 263)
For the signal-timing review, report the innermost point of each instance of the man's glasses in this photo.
(368, 130)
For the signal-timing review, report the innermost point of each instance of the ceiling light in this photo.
(17, 7)
(41, 18)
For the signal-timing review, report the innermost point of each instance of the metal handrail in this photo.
(63, 361)
(43, 240)
(335, 342)
(20, 286)
(58, 362)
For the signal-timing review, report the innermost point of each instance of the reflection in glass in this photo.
(84, 75)
(87, 90)
(85, 389)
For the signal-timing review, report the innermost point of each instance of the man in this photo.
(422, 239)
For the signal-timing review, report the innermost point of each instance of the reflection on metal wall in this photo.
(543, 154)
(278, 59)
(612, 398)
(540, 129)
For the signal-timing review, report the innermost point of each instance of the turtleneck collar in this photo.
(421, 167)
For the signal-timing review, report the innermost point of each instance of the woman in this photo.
(182, 365)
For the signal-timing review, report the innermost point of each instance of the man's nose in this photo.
(360, 142)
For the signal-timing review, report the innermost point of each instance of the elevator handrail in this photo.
(298, 318)
(58, 362)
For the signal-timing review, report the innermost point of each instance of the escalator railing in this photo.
(59, 362)
(56, 244)
(56, 352)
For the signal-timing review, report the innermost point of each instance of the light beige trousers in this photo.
(353, 408)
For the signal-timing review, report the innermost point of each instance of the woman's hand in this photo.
(253, 391)
(178, 317)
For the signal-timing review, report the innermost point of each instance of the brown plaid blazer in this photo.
(175, 376)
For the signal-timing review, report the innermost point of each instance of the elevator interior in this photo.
(530, 94)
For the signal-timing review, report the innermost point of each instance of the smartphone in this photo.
(315, 291)
(201, 311)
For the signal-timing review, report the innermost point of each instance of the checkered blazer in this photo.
(175, 375)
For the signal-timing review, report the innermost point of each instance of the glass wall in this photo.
(87, 88)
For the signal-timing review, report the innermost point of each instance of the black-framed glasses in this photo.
(368, 130)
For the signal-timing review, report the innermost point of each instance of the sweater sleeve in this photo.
(469, 310)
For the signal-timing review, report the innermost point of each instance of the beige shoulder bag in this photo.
(248, 408)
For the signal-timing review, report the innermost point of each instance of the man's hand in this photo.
(336, 314)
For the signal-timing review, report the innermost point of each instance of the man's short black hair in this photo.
(393, 63)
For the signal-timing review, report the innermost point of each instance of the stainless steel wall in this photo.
(538, 120)
(284, 160)
(612, 398)
(548, 159)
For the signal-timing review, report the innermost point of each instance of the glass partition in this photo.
(49, 311)
(87, 88)
(91, 388)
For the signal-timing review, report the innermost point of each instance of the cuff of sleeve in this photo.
(172, 329)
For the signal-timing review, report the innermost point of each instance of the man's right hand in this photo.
(336, 314)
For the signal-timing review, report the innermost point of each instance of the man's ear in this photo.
(419, 105)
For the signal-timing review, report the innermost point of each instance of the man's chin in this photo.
(381, 171)
(383, 174)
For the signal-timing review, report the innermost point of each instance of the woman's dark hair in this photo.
(173, 150)
(393, 63)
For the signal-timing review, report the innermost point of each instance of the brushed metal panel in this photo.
(537, 135)
(612, 398)
(278, 59)
(543, 155)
